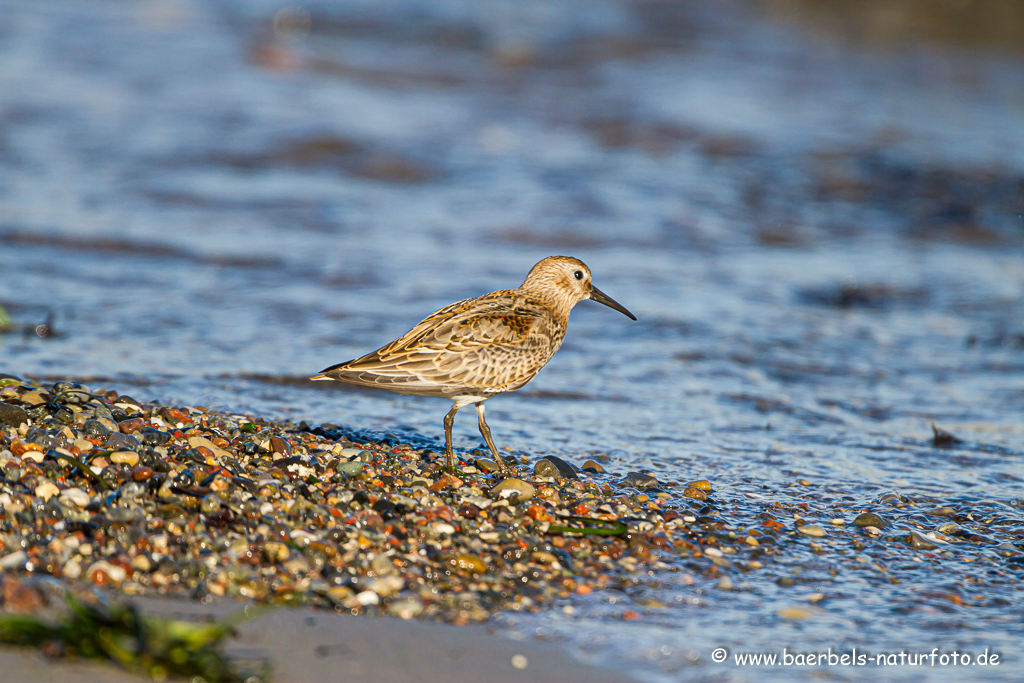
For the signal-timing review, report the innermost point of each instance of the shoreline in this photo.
(104, 493)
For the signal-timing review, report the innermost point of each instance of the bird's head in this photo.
(565, 281)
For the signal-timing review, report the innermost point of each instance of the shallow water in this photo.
(822, 243)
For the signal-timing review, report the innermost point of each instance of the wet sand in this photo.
(306, 646)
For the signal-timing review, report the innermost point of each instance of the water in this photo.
(822, 242)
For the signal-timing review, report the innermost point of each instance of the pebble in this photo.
(203, 442)
(12, 415)
(470, 563)
(350, 469)
(640, 480)
(695, 493)
(210, 505)
(812, 530)
(562, 468)
(593, 466)
(919, 542)
(13, 560)
(46, 490)
(76, 496)
(131, 426)
(117, 440)
(142, 473)
(486, 465)
(279, 445)
(406, 608)
(367, 598)
(869, 519)
(513, 486)
(103, 572)
(130, 458)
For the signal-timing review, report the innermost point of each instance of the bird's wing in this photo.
(495, 342)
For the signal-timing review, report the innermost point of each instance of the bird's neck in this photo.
(553, 298)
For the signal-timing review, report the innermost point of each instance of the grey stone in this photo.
(12, 416)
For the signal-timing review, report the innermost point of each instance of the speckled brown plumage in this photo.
(477, 348)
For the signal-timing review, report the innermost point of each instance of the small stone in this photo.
(702, 484)
(406, 608)
(593, 466)
(142, 473)
(13, 560)
(443, 528)
(95, 428)
(142, 563)
(130, 458)
(640, 480)
(350, 469)
(870, 519)
(386, 586)
(367, 598)
(469, 563)
(545, 468)
(486, 465)
(103, 572)
(119, 441)
(83, 445)
(724, 584)
(75, 496)
(564, 469)
(46, 490)
(197, 441)
(919, 542)
(131, 426)
(275, 551)
(795, 613)
(446, 481)
(12, 416)
(812, 530)
(695, 493)
(32, 398)
(510, 487)
(20, 448)
(153, 437)
(943, 439)
(279, 445)
(349, 452)
(210, 505)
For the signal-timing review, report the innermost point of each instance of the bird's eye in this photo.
(578, 274)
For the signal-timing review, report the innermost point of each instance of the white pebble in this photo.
(76, 496)
(520, 662)
(47, 490)
(367, 598)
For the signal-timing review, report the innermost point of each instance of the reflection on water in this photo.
(823, 246)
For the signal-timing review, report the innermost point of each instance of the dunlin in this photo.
(474, 349)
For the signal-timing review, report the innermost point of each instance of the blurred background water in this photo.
(814, 209)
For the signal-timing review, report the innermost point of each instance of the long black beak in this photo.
(602, 298)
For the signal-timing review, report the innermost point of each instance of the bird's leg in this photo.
(449, 420)
(486, 432)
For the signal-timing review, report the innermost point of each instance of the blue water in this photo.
(822, 243)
